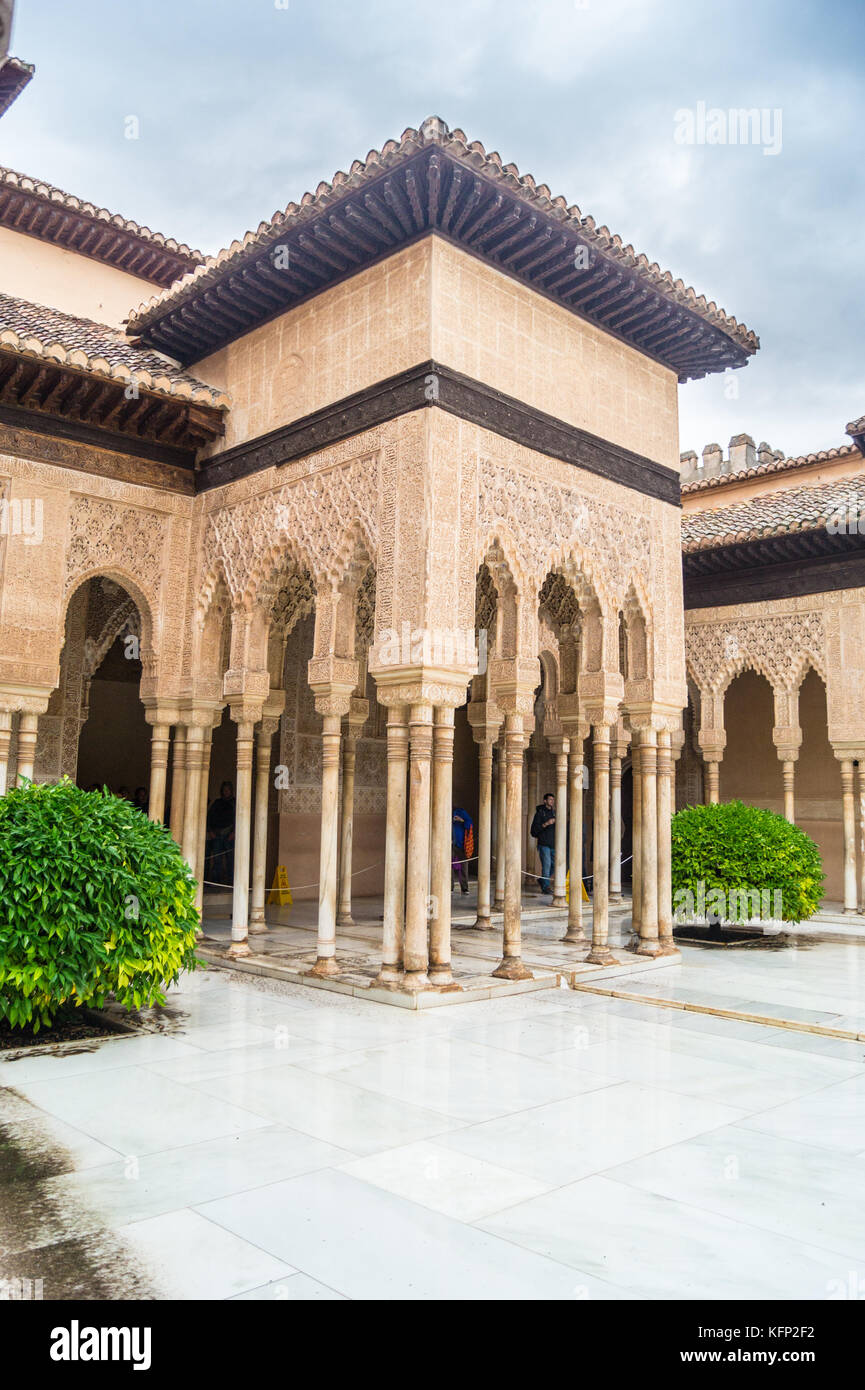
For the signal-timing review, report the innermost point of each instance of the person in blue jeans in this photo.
(544, 831)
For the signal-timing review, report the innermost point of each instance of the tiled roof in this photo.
(774, 514)
(856, 430)
(437, 200)
(39, 209)
(763, 470)
(36, 331)
(14, 76)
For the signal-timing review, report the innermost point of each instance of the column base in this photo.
(389, 977)
(559, 902)
(851, 912)
(512, 968)
(415, 980)
(441, 975)
(575, 938)
(345, 919)
(651, 946)
(499, 905)
(257, 926)
(237, 950)
(601, 956)
(482, 924)
(325, 967)
(669, 948)
(616, 900)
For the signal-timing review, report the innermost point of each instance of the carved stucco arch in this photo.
(141, 602)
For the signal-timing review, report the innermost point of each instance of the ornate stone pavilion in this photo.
(376, 512)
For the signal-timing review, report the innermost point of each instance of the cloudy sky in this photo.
(242, 105)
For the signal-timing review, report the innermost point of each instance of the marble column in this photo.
(713, 766)
(201, 812)
(600, 953)
(511, 966)
(861, 782)
(194, 757)
(394, 847)
(178, 782)
(636, 836)
(665, 865)
(331, 737)
(560, 870)
(263, 750)
(615, 823)
(788, 769)
(575, 933)
(416, 955)
(485, 797)
(242, 831)
(501, 824)
(5, 743)
(849, 815)
(648, 944)
(160, 742)
(346, 829)
(532, 857)
(442, 836)
(28, 727)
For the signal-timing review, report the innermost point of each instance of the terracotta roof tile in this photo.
(762, 470)
(435, 133)
(37, 331)
(773, 514)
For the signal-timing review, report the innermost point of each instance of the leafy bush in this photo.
(95, 899)
(730, 857)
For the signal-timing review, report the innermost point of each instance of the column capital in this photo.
(161, 712)
(848, 751)
(559, 746)
(513, 681)
(241, 684)
(419, 687)
(787, 741)
(204, 714)
(650, 714)
(245, 711)
(485, 719)
(26, 699)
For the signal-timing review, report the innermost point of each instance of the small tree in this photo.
(738, 862)
(95, 899)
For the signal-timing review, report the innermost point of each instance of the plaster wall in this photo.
(48, 274)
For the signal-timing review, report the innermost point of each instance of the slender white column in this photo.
(615, 828)
(242, 828)
(394, 851)
(600, 953)
(501, 825)
(861, 781)
(442, 837)
(511, 966)
(485, 798)
(28, 727)
(560, 868)
(713, 766)
(263, 747)
(201, 812)
(648, 943)
(665, 866)
(416, 956)
(178, 782)
(194, 758)
(789, 774)
(5, 742)
(346, 829)
(330, 739)
(532, 856)
(575, 933)
(849, 814)
(636, 834)
(160, 741)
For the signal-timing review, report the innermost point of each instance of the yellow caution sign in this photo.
(280, 892)
(568, 888)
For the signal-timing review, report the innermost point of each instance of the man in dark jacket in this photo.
(544, 831)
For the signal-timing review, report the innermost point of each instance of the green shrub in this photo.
(95, 899)
(743, 856)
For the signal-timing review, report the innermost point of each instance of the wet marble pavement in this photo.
(267, 1141)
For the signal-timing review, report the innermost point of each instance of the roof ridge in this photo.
(49, 192)
(435, 132)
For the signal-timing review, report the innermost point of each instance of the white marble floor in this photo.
(269, 1142)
